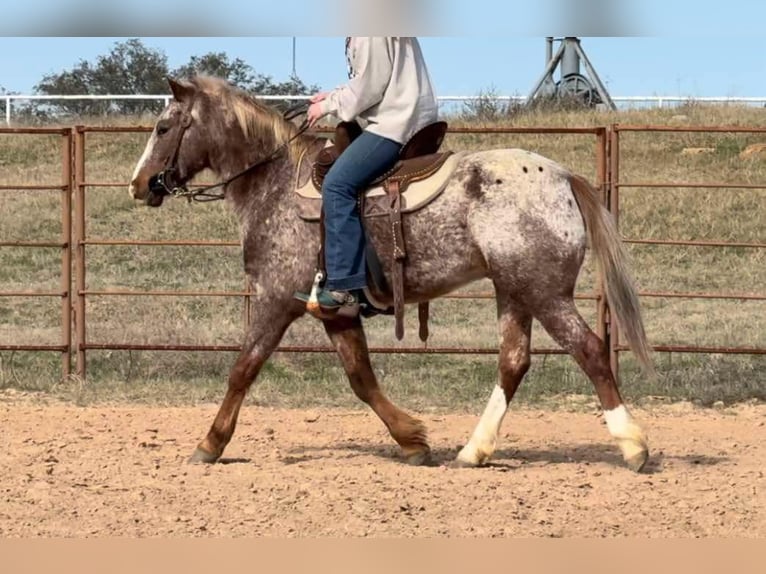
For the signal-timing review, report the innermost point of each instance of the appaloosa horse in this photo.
(508, 215)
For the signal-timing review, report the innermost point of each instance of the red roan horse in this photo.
(508, 215)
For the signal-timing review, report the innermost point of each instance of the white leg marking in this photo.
(629, 436)
(484, 438)
(618, 421)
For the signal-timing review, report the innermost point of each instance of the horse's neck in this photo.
(241, 153)
(266, 189)
(263, 186)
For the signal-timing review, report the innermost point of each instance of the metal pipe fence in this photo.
(75, 243)
(82, 241)
(64, 244)
(615, 187)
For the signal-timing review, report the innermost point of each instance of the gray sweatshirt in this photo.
(390, 91)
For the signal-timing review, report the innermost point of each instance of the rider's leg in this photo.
(368, 157)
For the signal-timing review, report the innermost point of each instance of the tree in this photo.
(21, 111)
(3, 92)
(241, 74)
(265, 86)
(130, 68)
(70, 82)
(237, 71)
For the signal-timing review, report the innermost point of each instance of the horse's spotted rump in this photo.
(475, 182)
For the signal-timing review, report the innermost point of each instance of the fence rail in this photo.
(74, 243)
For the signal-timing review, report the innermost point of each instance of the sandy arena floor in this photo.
(121, 471)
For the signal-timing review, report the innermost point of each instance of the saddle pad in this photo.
(376, 203)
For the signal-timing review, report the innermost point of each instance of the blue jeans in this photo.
(368, 157)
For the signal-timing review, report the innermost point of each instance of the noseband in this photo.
(166, 182)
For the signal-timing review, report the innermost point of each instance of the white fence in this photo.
(622, 102)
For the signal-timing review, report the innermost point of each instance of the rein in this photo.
(163, 182)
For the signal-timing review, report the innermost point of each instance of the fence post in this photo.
(613, 332)
(602, 183)
(79, 242)
(67, 151)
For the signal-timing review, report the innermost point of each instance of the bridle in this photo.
(165, 182)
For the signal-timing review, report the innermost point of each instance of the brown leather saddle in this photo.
(419, 159)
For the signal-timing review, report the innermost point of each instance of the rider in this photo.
(390, 94)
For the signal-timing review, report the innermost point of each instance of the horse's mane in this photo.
(257, 120)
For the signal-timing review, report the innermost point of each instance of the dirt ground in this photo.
(68, 471)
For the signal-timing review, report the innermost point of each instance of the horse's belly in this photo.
(441, 254)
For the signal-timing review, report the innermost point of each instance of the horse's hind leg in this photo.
(349, 340)
(564, 323)
(515, 326)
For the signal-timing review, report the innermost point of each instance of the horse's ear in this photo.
(181, 90)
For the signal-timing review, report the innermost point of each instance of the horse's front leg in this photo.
(268, 327)
(349, 340)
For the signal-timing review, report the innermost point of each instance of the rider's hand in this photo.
(314, 113)
(318, 97)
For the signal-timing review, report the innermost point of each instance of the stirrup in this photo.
(312, 306)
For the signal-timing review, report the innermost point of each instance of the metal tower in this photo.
(569, 56)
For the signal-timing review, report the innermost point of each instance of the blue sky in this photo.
(463, 65)
(638, 47)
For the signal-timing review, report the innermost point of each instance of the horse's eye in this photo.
(162, 129)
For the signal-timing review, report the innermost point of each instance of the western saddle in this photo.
(419, 159)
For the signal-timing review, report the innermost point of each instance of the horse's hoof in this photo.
(637, 462)
(202, 456)
(458, 463)
(422, 458)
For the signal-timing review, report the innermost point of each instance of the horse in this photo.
(509, 215)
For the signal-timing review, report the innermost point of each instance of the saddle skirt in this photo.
(421, 180)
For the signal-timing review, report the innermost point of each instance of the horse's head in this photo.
(208, 124)
(175, 152)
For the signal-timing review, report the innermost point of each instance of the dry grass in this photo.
(416, 381)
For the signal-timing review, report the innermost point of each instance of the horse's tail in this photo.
(607, 245)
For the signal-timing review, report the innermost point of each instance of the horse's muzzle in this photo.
(160, 185)
(154, 200)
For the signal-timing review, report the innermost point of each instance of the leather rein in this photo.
(164, 182)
